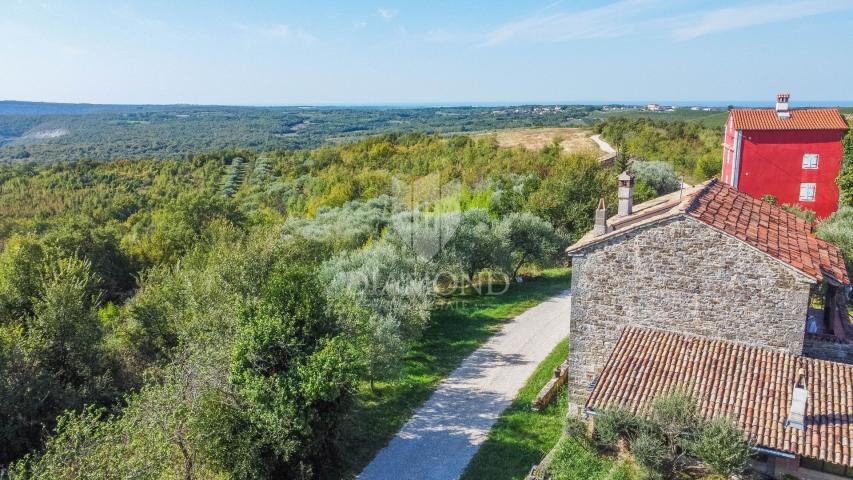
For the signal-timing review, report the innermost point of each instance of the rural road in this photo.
(604, 146)
(445, 432)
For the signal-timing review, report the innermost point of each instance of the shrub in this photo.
(675, 414)
(721, 445)
(838, 229)
(575, 428)
(658, 175)
(708, 166)
(805, 214)
(651, 451)
(613, 424)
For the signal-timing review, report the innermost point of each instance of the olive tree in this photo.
(382, 296)
(527, 239)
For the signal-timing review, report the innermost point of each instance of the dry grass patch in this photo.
(571, 139)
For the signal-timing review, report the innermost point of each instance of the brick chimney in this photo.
(626, 194)
(782, 109)
(600, 227)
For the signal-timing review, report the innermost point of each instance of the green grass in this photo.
(459, 325)
(576, 458)
(522, 436)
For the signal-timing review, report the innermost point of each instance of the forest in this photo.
(219, 315)
(47, 132)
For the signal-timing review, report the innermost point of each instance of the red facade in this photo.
(797, 166)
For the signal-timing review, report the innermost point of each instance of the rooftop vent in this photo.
(797, 417)
(782, 109)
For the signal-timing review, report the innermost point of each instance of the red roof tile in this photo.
(749, 384)
(801, 119)
(768, 228)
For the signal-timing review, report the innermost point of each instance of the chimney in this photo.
(797, 416)
(782, 109)
(626, 194)
(600, 227)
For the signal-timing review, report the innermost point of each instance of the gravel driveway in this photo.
(446, 431)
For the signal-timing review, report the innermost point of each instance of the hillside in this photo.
(45, 132)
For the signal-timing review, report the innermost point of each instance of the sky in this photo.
(425, 52)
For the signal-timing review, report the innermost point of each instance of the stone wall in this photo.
(684, 276)
(826, 347)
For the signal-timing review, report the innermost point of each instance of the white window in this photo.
(810, 160)
(807, 192)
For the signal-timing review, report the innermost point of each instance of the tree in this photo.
(723, 446)
(845, 179)
(20, 277)
(838, 229)
(381, 296)
(291, 370)
(568, 196)
(53, 360)
(527, 239)
(474, 245)
(658, 175)
(80, 236)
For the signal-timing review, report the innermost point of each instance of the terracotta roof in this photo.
(768, 228)
(749, 384)
(801, 119)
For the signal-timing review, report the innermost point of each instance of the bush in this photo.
(838, 229)
(659, 175)
(724, 447)
(675, 414)
(651, 451)
(613, 424)
(803, 213)
(575, 428)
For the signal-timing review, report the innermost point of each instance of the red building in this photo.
(792, 154)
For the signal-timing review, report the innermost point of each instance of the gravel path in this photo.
(446, 431)
(604, 146)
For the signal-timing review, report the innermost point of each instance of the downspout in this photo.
(736, 167)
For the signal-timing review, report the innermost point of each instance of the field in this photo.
(571, 139)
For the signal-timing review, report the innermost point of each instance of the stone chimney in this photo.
(782, 109)
(626, 194)
(600, 227)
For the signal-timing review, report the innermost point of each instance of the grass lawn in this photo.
(459, 325)
(522, 436)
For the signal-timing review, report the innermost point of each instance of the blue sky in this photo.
(437, 51)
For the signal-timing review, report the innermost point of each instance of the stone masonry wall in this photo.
(679, 275)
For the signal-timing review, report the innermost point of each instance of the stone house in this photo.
(715, 264)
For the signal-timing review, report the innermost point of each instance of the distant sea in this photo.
(676, 103)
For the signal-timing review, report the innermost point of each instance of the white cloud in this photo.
(725, 19)
(632, 17)
(359, 25)
(549, 26)
(279, 32)
(386, 14)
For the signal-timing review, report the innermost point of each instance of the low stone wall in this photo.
(549, 391)
(827, 347)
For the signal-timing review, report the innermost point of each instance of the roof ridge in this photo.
(694, 202)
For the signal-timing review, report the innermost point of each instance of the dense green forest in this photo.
(214, 317)
(39, 132)
(218, 315)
